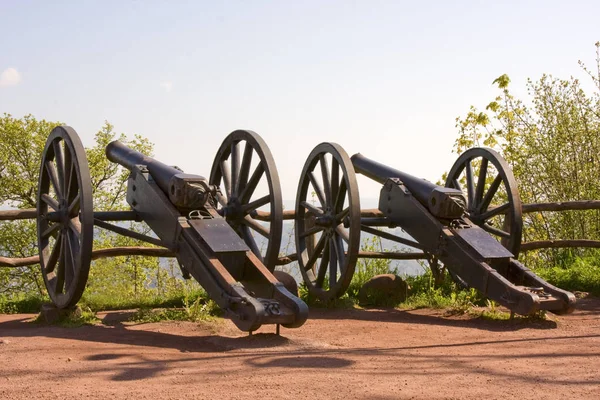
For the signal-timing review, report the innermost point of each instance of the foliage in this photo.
(21, 304)
(196, 307)
(580, 275)
(79, 316)
(493, 313)
(426, 294)
(552, 143)
(22, 142)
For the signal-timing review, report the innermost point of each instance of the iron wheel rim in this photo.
(65, 220)
(237, 203)
(480, 205)
(339, 241)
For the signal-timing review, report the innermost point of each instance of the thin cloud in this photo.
(10, 77)
(168, 86)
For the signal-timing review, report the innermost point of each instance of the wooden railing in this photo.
(13, 215)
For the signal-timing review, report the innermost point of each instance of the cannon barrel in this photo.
(184, 190)
(442, 202)
(420, 188)
(161, 173)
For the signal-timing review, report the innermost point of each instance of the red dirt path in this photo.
(337, 354)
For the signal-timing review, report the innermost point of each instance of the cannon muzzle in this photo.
(184, 190)
(442, 202)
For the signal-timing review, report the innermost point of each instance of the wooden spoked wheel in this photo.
(250, 198)
(493, 200)
(65, 219)
(327, 221)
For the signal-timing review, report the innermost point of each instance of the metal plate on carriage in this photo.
(483, 242)
(218, 235)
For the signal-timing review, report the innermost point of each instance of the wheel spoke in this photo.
(310, 207)
(245, 167)
(50, 230)
(342, 214)
(343, 233)
(323, 266)
(333, 268)
(456, 184)
(52, 174)
(75, 226)
(335, 182)
(256, 204)
(249, 240)
(72, 184)
(54, 254)
(326, 180)
(311, 231)
(74, 206)
(59, 156)
(317, 188)
(74, 243)
(60, 272)
(487, 199)
(222, 199)
(495, 231)
(470, 185)
(68, 160)
(235, 168)
(69, 261)
(316, 252)
(480, 182)
(341, 196)
(339, 250)
(226, 175)
(50, 201)
(252, 183)
(493, 212)
(251, 223)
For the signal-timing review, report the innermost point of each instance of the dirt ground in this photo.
(337, 354)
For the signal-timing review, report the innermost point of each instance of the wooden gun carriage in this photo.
(473, 225)
(181, 209)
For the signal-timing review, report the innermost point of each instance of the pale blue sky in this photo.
(386, 78)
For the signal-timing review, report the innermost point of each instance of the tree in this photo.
(552, 142)
(21, 145)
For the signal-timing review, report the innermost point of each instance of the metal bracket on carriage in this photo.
(189, 191)
(271, 307)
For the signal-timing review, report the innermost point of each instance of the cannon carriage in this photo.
(206, 230)
(472, 225)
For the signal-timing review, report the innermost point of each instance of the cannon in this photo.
(208, 231)
(472, 225)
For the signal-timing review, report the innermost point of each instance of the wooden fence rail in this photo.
(31, 213)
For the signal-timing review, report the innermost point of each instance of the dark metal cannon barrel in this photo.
(161, 173)
(420, 188)
(184, 190)
(442, 202)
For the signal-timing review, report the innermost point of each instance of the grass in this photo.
(582, 275)
(79, 316)
(21, 304)
(189, 302)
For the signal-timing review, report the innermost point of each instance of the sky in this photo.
(384, 78)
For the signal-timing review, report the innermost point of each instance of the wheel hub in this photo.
(233, 211)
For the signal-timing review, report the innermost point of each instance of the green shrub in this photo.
(21, 304)
(583, 274)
